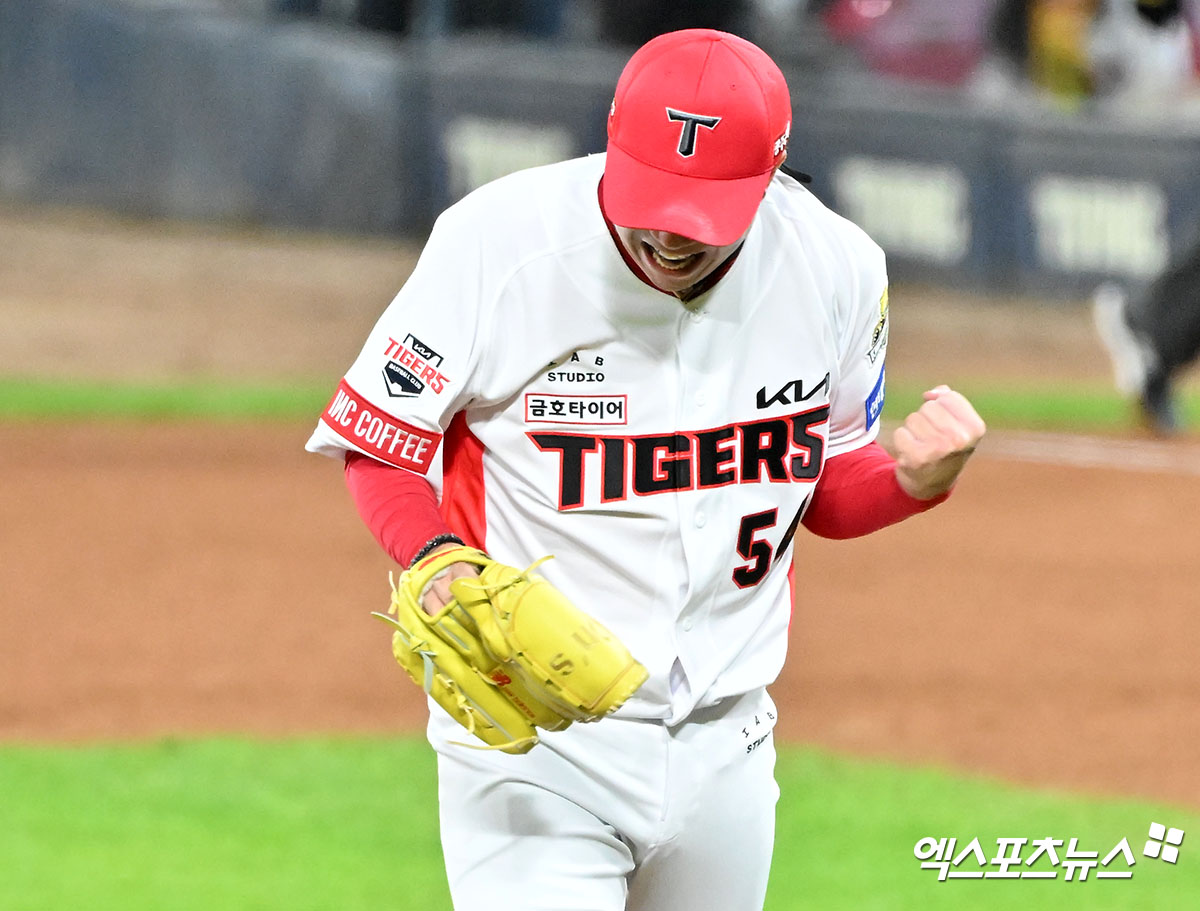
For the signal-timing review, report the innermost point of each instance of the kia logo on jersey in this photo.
(796, 391)
(413, 365)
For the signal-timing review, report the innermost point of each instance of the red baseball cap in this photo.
(698, 124)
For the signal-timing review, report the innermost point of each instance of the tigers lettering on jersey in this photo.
(776, 450)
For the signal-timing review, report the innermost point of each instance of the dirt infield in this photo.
(209, 577)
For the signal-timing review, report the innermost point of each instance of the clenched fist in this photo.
(437, 592)
(934, 443)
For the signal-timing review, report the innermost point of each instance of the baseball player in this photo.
(1153, 337)
(655, 364)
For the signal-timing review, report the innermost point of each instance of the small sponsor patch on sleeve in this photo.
(879, 335)
(378, 433)
(412, 366)
(875, 401)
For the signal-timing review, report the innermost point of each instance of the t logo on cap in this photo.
(691, 122)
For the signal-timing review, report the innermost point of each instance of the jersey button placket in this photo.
(694, 411)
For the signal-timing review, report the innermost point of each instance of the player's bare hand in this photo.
(437, 594)
(934, 443)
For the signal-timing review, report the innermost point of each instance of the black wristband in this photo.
(432, 544)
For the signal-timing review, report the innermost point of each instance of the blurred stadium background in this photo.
(204, 204)
(975, 157)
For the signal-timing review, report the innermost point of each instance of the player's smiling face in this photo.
(671, 261)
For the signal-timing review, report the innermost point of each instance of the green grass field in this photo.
(350, 823)
(1077, 408)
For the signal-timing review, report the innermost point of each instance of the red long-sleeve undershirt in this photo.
(858, 493)
(398, 506)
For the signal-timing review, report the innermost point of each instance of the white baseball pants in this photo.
(619, 815)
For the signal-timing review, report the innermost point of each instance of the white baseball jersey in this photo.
(663, 453)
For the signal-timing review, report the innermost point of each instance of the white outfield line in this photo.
(1157, 456)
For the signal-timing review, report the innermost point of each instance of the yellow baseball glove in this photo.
(509, 654)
